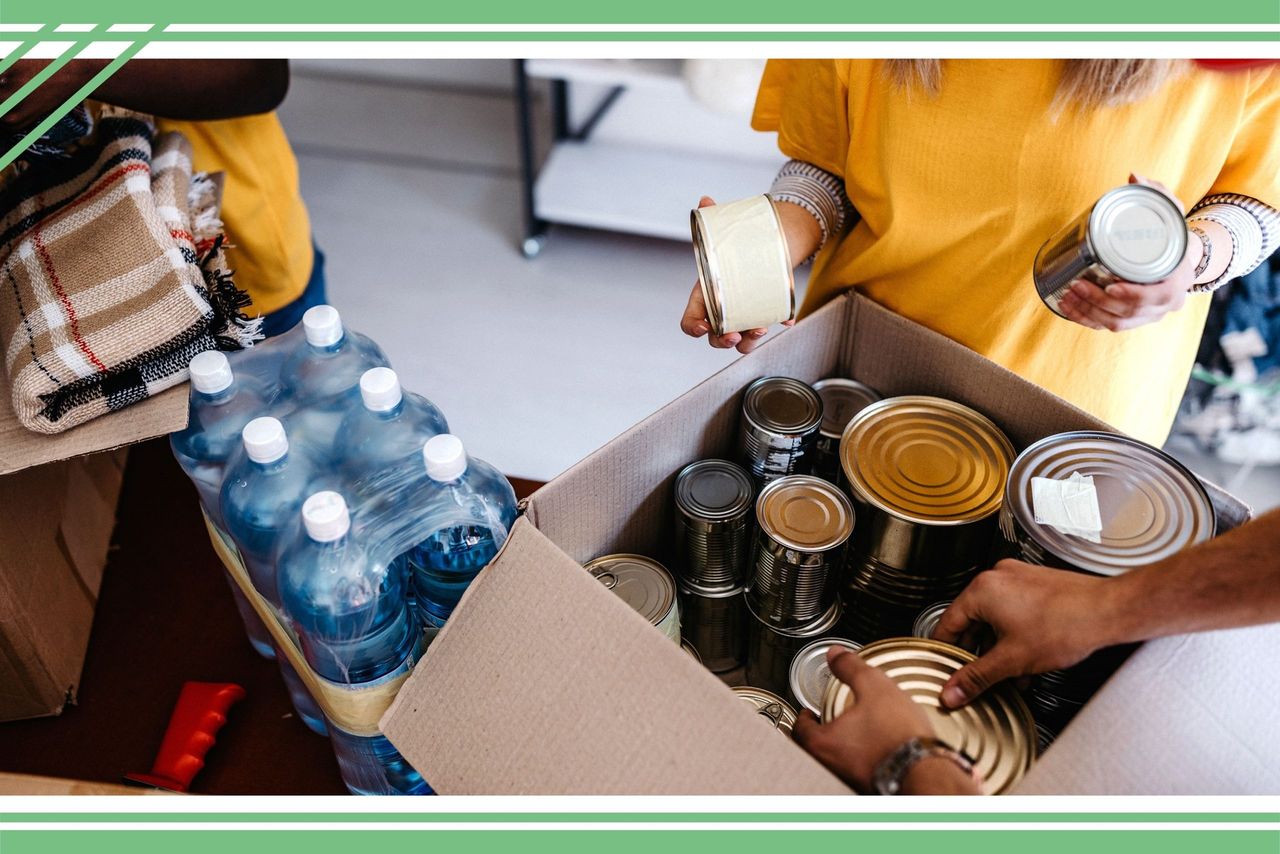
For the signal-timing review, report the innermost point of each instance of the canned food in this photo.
(690, 650)
(884, 602)
(927, 477)
(715, 623)
(645, 585)
(770, 648)
(1056, 696)
(1134, 233)
(928, 620)
(768, 705)
(744, 265)
(1151, 506)
(810, 674)
(714, 499)
(841, 400)
(780, 421)
(995, 730)
(804, 524)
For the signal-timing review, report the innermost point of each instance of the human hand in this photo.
(1043, 619)
(881, 719)
(695, 324)
(1126, 305)
(48, 96)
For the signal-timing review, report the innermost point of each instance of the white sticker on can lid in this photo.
(1068, 506)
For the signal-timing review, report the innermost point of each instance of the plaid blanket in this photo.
(112, 274)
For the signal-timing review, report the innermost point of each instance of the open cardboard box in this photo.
(544, 682)
(57, 510)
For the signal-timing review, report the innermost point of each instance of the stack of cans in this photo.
(842, 399)
(645, 585)
(927, 477)
(792, 587)
(780, 421)
(715, 527)
(1150, 507)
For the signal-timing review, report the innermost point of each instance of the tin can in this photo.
(810, 674)
(1150, 504)
(770, 648)
(928, 620)
(1057, 696)
(715, 623)
(714, 522)
(841, 400)
(776, 711)
(804, 524)
(645, 585)
(690, 650)
(927, 477)
(780, 421)
(995, 731)
(1134, 233)
(744, 265)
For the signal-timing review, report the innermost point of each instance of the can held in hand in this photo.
(810, 673)
(776, 711)
(780, 421)
(714, 621)
(804, 524)
(744, 265)
(842, 399)
(1134, 233)
(714, 522)
(645, 585)
(770, 648)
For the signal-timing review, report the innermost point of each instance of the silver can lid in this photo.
(768, 705)
(810, 673)
(804, 513)
(782, 405)
(928, 620)
(641, 582)
(841, 400)
(1151, 505)
(714, 490)
(1138, 233)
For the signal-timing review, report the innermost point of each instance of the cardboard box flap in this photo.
(544, 681)
(20, 448)
(1191, 715)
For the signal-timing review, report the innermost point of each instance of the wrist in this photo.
(938, 775)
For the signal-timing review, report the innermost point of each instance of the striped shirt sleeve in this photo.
(1254, 228)
(817, 191)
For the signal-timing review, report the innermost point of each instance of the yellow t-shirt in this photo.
(958, 192)
(268, 233)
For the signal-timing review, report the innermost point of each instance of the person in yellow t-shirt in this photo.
(929, 185)
(226, 109)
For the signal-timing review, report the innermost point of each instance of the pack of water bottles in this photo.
(350, 520)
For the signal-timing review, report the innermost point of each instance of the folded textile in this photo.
(112, 274)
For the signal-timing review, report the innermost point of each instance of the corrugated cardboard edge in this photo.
(31, 784)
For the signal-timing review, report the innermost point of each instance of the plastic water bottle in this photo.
(355, 630)
(471, 507)
(320, 377)
(221, 404)
(387, 431)
(261, 497)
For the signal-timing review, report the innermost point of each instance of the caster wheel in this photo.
(532, 246)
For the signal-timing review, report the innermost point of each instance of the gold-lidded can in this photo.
(995, 730)
(776, 711)
(714, 522)
(804, 523)
(1134, 233)
(780, 421)
(645, 585)
(842, 399)
(810, 674)
(744, 265)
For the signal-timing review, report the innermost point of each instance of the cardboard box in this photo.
(30, 784)
(57, 510)
(544, 682)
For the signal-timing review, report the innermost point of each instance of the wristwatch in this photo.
(893, 769)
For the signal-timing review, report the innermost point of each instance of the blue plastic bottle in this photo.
(321, 375)
(261, 496)
(471, 507)
(387, 430)
(355, 630)
(221, 404)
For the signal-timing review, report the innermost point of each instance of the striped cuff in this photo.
(1254, 228)
(817, 191)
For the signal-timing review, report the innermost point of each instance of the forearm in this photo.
(804, 233)
(1220, 254)
(195, 90)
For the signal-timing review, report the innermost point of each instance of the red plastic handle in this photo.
(200, 713)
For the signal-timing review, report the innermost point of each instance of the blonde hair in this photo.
(1087, 83)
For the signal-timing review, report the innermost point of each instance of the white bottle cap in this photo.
(380, 389)
(210, 372)
(325, 517)
(322, 325)
(265, 440)
(445, 458)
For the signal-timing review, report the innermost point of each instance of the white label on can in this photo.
(1068, 506)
